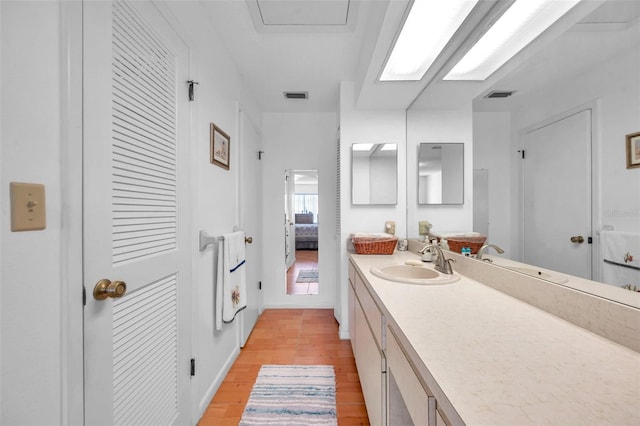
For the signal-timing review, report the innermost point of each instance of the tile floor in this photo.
(305, 259)
(290, 336)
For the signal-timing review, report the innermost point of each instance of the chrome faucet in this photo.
(483, 250)
(443, 265)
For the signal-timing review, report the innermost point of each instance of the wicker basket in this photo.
(364, 245)
(458, 243)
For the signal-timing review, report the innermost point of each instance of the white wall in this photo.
(439, 126)
(492, 151)
(306, 188)
(31, 281)
(298, 141)
(359, 126)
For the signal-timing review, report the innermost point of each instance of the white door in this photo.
(557, 195)
(251, 202)
(135, 218)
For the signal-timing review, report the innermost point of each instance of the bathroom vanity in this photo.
(466, 353)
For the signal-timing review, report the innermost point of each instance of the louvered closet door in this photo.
(135, 190)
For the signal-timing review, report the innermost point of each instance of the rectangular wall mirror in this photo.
(441, 173)
(374, 173)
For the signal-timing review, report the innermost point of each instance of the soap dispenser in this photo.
(444, 245)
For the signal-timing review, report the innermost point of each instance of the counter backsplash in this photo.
(614, 321)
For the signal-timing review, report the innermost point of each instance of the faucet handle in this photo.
(447, 263)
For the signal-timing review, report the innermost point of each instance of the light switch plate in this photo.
(28, 209)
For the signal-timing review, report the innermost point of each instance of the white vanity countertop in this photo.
(499, 360)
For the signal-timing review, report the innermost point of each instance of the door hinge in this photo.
(521, 151)
(193, 366)
(259, 285)
(191, 91)
(84, 296)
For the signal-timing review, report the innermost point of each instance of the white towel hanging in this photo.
(231, 288)
(620, 253)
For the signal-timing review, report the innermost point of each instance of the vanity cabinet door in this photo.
(408, 398)
(351, 301)
(370, 365)
(371, 311)
(366, 328)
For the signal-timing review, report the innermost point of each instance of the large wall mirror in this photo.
(441, 173)
(374, 173)
(549, 105)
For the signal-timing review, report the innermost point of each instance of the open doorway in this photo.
(301, 232)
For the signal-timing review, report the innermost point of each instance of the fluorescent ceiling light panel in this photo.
(389, 147)
(517, 27)
(426, 31)
(362, 146)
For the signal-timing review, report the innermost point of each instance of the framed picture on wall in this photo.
(220, 147)
(633, 150)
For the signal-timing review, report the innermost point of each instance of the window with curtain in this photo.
(306, 203)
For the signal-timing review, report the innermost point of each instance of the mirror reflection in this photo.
(374, 173)
(565, 94)
(301, 231)
(441, 173)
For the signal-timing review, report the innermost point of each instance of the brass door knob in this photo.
(105, 289)
(577, 239)
(248, 240)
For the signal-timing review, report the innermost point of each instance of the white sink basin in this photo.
(411, 274)
(538, 274)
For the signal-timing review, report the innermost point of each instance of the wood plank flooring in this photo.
(305, 259)
(290, 336)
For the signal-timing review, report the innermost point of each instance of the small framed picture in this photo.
(220, 147)
(633, 150)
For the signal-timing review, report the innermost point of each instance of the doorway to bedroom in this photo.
(301, 232)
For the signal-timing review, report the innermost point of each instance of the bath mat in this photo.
(307, 276)
(292, 395)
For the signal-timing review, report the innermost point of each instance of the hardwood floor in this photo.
(290, 336)
(305, 259)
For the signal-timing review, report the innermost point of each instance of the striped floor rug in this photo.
(307, 276)
(288, 395)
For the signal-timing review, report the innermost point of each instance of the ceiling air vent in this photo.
(296, 95)
(500, 94)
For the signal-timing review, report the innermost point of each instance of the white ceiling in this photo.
(311, 58)
(313, 45)
(301, 12)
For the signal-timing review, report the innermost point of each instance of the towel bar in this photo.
(206, 239)
(611, 262)
(605, 228)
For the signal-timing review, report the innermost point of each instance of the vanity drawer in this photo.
(352, 273)
(371, 311)
(418, 402)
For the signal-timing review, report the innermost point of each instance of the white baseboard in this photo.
(344, 334)
(217, 382)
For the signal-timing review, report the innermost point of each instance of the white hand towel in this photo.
(231, 287)
(219, 273)
(620, 252)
